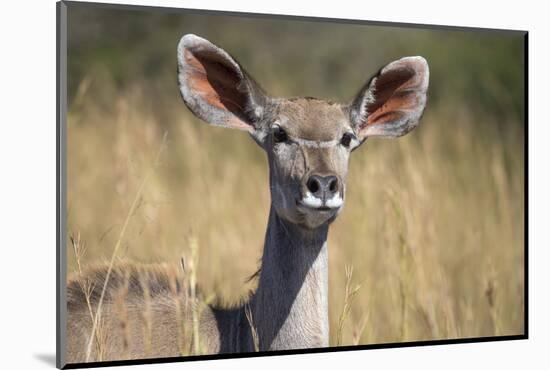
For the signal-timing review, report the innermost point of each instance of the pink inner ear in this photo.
(395, 93)
(196, 78)
(217, 84)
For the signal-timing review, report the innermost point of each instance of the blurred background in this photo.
(434, 221)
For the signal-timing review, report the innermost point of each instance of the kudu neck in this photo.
(291, 303)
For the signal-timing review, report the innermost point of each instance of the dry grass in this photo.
(96, 317)
(349, 295)
(253, 330)
(433, 222)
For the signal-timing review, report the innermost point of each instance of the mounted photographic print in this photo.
(225, 189)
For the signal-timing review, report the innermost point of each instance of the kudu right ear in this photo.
(392, 102)
(215, 87)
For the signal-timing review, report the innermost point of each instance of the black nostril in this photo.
(322, 186)
(333, 184)
(313, 184)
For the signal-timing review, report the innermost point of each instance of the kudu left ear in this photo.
(392, 102)
(215, 87)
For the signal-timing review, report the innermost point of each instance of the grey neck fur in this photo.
(290, 306)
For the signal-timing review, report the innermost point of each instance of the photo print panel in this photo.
(225, 189)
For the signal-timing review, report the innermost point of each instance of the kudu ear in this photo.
(215, 87)
(392, 102)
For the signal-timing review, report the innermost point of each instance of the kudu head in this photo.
(308, 141)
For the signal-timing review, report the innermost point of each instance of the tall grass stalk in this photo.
(195, 305)
(253, 331)
(349, 296)
(117, 247)
(79, 249)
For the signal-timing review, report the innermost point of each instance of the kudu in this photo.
(308, 142)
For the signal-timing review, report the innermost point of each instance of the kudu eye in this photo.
(279, 135)
(346, 139)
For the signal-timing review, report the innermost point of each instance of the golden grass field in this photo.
(433, 225)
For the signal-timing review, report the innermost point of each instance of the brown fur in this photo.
(121, 337)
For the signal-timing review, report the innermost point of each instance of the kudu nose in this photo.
(323, 187)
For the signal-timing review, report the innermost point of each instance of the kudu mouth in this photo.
(312, 203)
